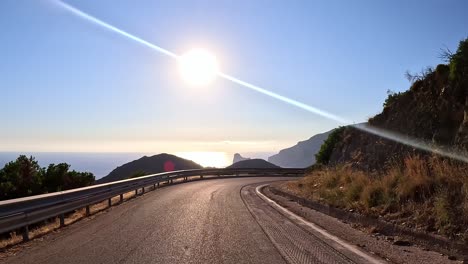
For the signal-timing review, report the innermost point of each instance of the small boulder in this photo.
(402, 243)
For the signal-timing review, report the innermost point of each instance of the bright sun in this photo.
(198, 67)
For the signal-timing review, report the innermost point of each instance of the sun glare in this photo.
(198, 67)
(207, 159)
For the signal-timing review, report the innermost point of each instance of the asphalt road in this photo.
(196, 222)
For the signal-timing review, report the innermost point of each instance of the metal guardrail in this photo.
(22, 212)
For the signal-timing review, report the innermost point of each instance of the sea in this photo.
(100, 164)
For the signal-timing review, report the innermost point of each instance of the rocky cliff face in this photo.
(301, 155)
(238, 157)
(434, 109)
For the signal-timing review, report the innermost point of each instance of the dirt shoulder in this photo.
(395, 247)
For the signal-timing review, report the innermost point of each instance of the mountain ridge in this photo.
(149, 165)
(302, 154)
(253, 164)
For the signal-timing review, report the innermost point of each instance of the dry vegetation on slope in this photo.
(429, 194)
(433, 110)
(401, 184)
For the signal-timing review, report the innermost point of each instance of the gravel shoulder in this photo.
(392, 249)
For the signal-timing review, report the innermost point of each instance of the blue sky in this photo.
(69, 85)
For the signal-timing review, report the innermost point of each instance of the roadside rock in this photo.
(402, 243)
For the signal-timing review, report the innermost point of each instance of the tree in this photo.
(21, 177)
(59, 178)
(24, 177)
(54, 178)
(76, 179)
(326, 149)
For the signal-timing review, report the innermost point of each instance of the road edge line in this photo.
(320, 230)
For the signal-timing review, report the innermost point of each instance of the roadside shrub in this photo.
(373, 196)
(459, 62)
(442, 69)
(332, 181)
(355, 187)
(390, 183)
(354, 191)
(391, 98)
(324, 154)
(416, 183)
(424, 192)
(444, 212)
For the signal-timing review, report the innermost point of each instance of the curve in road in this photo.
(195, 222)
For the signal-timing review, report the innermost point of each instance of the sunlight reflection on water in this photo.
(207, 158)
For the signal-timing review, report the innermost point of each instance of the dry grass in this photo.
(427, 193)
(54, 224)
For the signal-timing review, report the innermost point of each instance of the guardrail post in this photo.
(121, 198)
(142, 190)
(136, 192)
(154, 186)
(62, 220)
(109, 202)
(171, 181)
(25, 233)
(201, 176)
(87, 211)
(158, 184)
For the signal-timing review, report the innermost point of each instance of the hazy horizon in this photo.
(102, 163)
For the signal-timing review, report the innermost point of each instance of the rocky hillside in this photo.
(405, 186)
(434, 109)
(302, 154)
(149, 165)
(253, 164)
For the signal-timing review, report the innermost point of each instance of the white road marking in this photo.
(294, 216)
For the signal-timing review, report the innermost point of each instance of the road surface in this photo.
(196, 222)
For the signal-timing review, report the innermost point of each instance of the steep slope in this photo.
(433, 110)
(302, 154)
(419, 189)
(148, 165)
(253, 164)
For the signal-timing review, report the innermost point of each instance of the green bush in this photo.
(24, 177)
(20, 178)
(459, 62)
(323, 156)
(442, 69)
(391, 97)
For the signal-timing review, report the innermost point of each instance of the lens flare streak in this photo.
(284, 99)
(412, 142)
(99, 22)
(418, 144)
